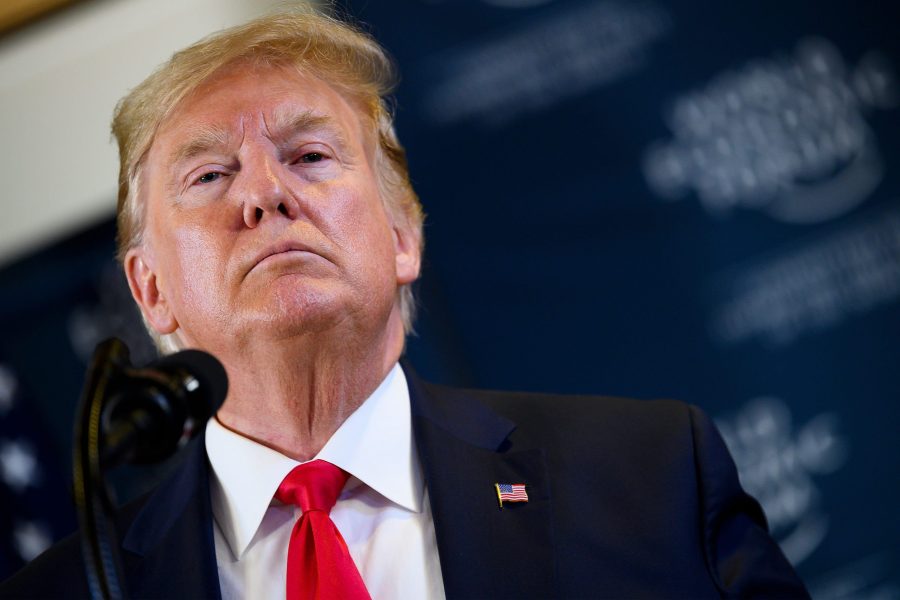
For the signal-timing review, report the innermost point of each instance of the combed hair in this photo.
(343, 56)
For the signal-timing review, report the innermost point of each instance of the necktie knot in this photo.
(319, 564)
(312, 486)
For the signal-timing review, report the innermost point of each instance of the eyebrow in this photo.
(204, 139)
(288, 124)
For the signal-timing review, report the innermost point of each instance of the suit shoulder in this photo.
(578, 411)
(631, 429)
(56, 573)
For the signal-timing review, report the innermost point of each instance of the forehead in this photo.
(270, 98)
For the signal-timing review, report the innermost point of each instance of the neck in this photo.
(292, 395)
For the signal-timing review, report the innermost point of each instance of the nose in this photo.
(263, 192)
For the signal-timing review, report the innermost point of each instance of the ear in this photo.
(145, 289)
(407, 254)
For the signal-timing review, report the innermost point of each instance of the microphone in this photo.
(137, 415)
(153, 411)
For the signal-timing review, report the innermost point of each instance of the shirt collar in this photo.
(375, 445)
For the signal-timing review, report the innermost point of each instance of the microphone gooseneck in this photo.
(132, 415)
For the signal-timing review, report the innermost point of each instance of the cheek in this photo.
(193, 249)
(357, 221)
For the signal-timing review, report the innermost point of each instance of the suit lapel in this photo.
(465, 448)
(169, 547)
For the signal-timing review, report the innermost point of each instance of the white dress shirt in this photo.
(383, 512)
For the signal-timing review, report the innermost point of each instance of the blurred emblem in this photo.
(787, 136)
(539, 63)
(813, 286)
(777, 465)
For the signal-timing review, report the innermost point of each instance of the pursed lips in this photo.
(279, 249)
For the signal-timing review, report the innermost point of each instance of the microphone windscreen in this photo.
(205, 368)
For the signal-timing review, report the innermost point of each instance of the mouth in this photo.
(278, 250)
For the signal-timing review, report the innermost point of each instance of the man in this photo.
(266, 216)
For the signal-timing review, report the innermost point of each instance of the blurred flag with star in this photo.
(35, 500)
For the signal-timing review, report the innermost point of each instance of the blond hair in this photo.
(318, 45)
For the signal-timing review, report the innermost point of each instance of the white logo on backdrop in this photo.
(784, 135)
(812, 287)
(542, 63)
(777, 465)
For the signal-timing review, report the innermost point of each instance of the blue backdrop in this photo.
(685, 199)
(680, 199)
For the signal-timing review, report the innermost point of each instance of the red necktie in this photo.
(319, 565)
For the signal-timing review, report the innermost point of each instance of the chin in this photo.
(292, 307)
(299, 311)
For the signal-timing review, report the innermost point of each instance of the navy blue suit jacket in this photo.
(627, 499)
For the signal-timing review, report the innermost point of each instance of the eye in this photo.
(312, 157)
(208, 177)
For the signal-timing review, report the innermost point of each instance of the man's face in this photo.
(263, 216)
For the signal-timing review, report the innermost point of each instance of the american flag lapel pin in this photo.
(511, 492)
